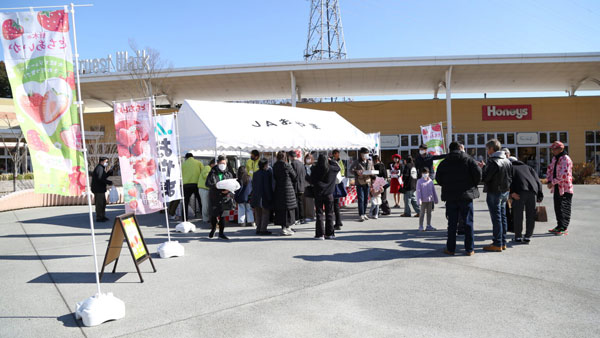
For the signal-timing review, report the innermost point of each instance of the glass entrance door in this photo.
(529, 156)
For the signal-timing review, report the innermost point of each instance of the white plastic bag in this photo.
(230, 184)
(113, 195)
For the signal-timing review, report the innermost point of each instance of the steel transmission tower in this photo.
(325, 34)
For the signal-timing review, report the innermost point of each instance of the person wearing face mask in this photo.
(425, 160)
(284, 197)
(426, 198)
(99, 182)
(396, 179)
(309, 198)
(300, 184)
(220, 199)
(362, 182)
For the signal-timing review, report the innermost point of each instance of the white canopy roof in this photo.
(208, 125)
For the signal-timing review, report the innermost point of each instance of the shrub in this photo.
(581, 171)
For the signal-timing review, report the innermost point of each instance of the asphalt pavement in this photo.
(380, 278)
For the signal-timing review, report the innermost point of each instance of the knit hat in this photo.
(557, 145)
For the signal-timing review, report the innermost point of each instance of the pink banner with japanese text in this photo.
(39, 65)
(136, 144)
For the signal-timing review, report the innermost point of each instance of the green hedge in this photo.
(9, 177)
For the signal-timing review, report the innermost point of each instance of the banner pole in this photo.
(162, 186)
(85, 158)
(183, 206)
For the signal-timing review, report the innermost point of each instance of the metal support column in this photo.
(449, 105)
(294, 96)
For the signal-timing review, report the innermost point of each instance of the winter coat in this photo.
(217, 200)
(284, 196)
(99, 179)
(524, 178)
(426, 191)
(300, 171)
(242, 195)
(324, 183)
(427, 162)
(362, 165)
(262, 189)
(564, 173)
(409, 177)
(497, 173)
(458, 175)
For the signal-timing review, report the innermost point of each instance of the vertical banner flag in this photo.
(376, 137)
(137, 153)
(39, 65)
(168, 155)
(433, 138)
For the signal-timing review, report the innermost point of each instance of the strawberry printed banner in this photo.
(39, 64)
(136, 145)
(433, 138)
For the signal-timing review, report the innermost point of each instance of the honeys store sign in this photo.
(506, 112)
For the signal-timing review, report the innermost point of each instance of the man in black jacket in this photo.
(497, 177)
(525, 189)
(299, 186)
(99, 182)
(459, 175)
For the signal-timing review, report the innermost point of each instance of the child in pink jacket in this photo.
(426, 197)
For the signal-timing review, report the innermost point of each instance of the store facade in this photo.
(526, 126)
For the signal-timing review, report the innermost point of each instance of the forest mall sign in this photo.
(122, 62)
(514, 112)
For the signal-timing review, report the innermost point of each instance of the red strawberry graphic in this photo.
(76, 181)
(123, 151)
(132, 192)
(137, 148)
(425, 132)
(57, 21)
(72, 137)
(133, 204)
(32, 104)
(54, 105)
(151, 167)
(35, 142)
(436, 127)
(11, 29)
(70, 79)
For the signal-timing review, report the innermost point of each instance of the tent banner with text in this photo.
(39, 65)
(168, 157)
(136, 146)
(433, 138)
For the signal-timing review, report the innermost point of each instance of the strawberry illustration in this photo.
(133, 204)
(35, 142)
(57, 21)
(123, 151)
(77, 181)
(132, 192)
(32, 104)
(151, 167)
(436, 127)
(425, 132)
(54, 104)
(70, 79)
(11, 29)
(137, 148)
(72, 137)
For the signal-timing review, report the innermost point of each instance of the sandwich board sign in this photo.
(126, 228)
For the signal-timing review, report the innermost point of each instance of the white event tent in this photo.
(219, 126)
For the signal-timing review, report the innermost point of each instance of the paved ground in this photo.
(377, 279)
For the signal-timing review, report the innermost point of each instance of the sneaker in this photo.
(330, 237)
(253, 224)
(375, 217)
(366, 217)
(469, 253)
(430, 228)
(562, 232)
(361, 218)
(518, 240)
(421, 228)
(321, 238)
(448, 252)
(492, 248)
(526, 240)
(555, 230)
(286, 232)
(172, 218)
(337, 227)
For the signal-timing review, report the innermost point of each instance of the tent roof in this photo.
(208, 125)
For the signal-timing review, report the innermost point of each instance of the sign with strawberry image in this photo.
(39, 64)
(433, 138)
(136, 146)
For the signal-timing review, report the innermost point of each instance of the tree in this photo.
(149, 70)
(5, 90)
(14, 152)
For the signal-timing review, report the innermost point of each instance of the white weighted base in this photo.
(185, 227)
(171, 249)
(99, 309)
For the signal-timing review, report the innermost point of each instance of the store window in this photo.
(415, 140)
(543, 138)
(470, 139)
(510, 138)
(500, 138)
(553, 137)
(404, 141)
(592, 148)
(480, 139)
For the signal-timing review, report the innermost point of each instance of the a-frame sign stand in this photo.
(126, 228)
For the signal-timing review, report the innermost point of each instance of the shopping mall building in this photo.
(525, 125)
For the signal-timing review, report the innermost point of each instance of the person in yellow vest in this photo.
(252, 163)
(190, 170)
(204, 191)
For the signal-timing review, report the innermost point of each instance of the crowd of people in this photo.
(291, 191)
